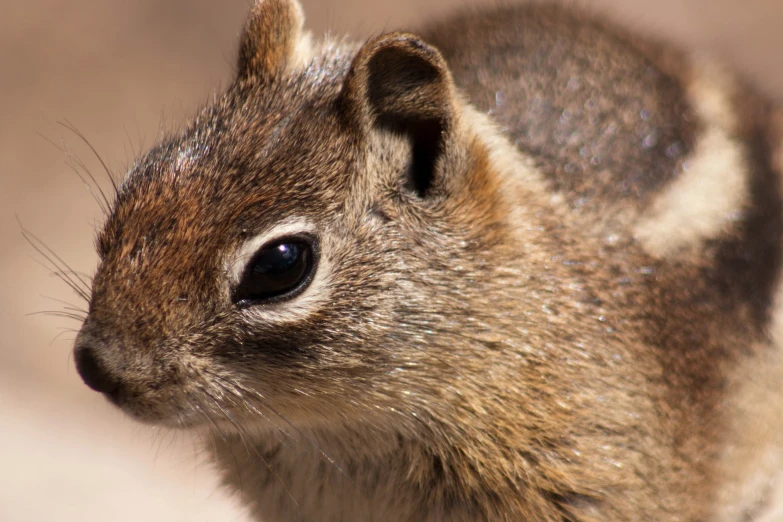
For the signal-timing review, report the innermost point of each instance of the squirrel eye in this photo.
(279, 270)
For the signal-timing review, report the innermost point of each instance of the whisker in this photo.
(228, 386)
(68, 306)
(58, 313)
(160, 434)
(244, 436)
(312, 443)
(78, 314)
(65, 331)
(133, 153)
(204, 412)
(264, 404)
(79, 168)
(61, 275)
(76, 167)
(68, 125)
(85, 278)
(61, 268)
(241, 429)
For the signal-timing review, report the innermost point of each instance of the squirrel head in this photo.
(302, 243)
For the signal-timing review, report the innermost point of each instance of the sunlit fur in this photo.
(520, 315)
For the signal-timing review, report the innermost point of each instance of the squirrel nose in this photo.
(92, 372)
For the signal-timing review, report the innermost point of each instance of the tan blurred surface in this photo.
(115, 70)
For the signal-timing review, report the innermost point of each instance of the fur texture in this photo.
(549, 258)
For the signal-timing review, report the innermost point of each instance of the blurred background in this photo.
(119, 72)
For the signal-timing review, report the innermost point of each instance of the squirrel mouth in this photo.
(117, 396)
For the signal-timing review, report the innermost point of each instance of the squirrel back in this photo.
(523, 267)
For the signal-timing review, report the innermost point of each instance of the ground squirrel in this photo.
(522, 265)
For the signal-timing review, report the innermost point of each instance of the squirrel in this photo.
(521, 265)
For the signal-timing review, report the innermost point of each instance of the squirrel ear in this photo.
(399, 83)
(270, 38)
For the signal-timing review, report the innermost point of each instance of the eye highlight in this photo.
(279, 270)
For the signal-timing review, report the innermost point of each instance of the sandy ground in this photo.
(115, 70)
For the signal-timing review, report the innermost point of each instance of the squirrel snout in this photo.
(93, 373)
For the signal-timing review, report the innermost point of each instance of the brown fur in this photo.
(485, 339)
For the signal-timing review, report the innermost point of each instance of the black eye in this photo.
(279, 270)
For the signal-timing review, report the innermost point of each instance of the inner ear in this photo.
(400, 84)
(427, 146)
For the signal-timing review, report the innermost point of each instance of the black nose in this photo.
(93, 374)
